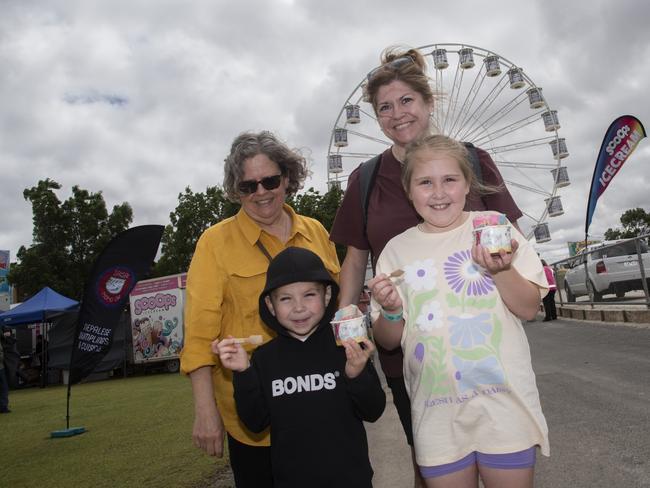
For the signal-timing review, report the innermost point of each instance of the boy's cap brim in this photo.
(294, 265)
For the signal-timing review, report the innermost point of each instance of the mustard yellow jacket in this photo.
(225, 279)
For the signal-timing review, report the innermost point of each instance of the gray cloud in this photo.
(139, 99)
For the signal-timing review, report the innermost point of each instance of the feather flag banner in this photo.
(125, 260)
(619, 142)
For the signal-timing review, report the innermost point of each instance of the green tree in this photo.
(67, 237)
(612, 234)
(634, 222)
(320, 207)
(194, 213)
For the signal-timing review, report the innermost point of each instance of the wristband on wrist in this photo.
(392, 317)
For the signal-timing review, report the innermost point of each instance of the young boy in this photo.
(313, 394)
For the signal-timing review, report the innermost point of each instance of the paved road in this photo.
(594, 382)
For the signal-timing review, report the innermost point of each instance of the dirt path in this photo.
(221, 479)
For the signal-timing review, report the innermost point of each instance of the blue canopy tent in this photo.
(37, 308)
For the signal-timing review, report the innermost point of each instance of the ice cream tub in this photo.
(349, 323)
(493, 233)
(354, 328)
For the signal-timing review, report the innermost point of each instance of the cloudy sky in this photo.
(139, 99)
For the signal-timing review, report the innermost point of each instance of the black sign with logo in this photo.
(125, 260)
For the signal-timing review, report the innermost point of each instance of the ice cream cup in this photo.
(354, 328)
(494, 238)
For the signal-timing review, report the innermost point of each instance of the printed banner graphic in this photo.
(4, 284)
(620, 141)
(124, 261)
(157, 319)
(578, 246)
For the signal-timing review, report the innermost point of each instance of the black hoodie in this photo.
(301, 391)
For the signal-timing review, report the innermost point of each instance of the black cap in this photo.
(295, 264)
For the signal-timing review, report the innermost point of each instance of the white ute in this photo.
(612, 267)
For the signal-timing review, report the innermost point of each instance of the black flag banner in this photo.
(125, 260)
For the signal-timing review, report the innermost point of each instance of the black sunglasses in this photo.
(250, 186)
(394, 64)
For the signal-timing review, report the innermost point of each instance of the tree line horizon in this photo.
(69, 235)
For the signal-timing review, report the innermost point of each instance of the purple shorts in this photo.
(512, 460)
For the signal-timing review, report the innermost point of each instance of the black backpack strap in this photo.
(474, 161)
(367, 176)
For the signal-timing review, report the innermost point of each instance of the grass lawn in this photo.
(138, 435)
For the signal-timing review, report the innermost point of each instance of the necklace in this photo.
(287, 227)
(281, 228)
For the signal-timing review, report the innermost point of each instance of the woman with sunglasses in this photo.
(402, 98)
(224, 282)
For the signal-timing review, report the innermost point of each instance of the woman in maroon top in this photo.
(402, 99)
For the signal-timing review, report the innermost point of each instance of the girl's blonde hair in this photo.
(457, 151)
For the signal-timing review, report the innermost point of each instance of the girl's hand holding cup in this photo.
(494, 262)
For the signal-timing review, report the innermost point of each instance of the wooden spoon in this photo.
(254, 340)
(396, 274)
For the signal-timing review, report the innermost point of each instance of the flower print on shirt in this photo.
(430, 318)
(469, 331)
(421, 275)
(475, 344)
(472, 375)
(472, 287)
(462, 273)
(430, 365)
(419, 352)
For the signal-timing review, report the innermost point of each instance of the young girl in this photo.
(456, 312)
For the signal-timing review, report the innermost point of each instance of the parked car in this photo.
(612, 268)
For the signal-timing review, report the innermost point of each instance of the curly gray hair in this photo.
(246, 145)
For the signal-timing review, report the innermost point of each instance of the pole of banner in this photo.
(67, 407)
(68, 431)
(127, 330)
(587, 282)
(644, 279)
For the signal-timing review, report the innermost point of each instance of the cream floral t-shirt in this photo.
(467, 364)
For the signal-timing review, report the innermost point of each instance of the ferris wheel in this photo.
(487, 100)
